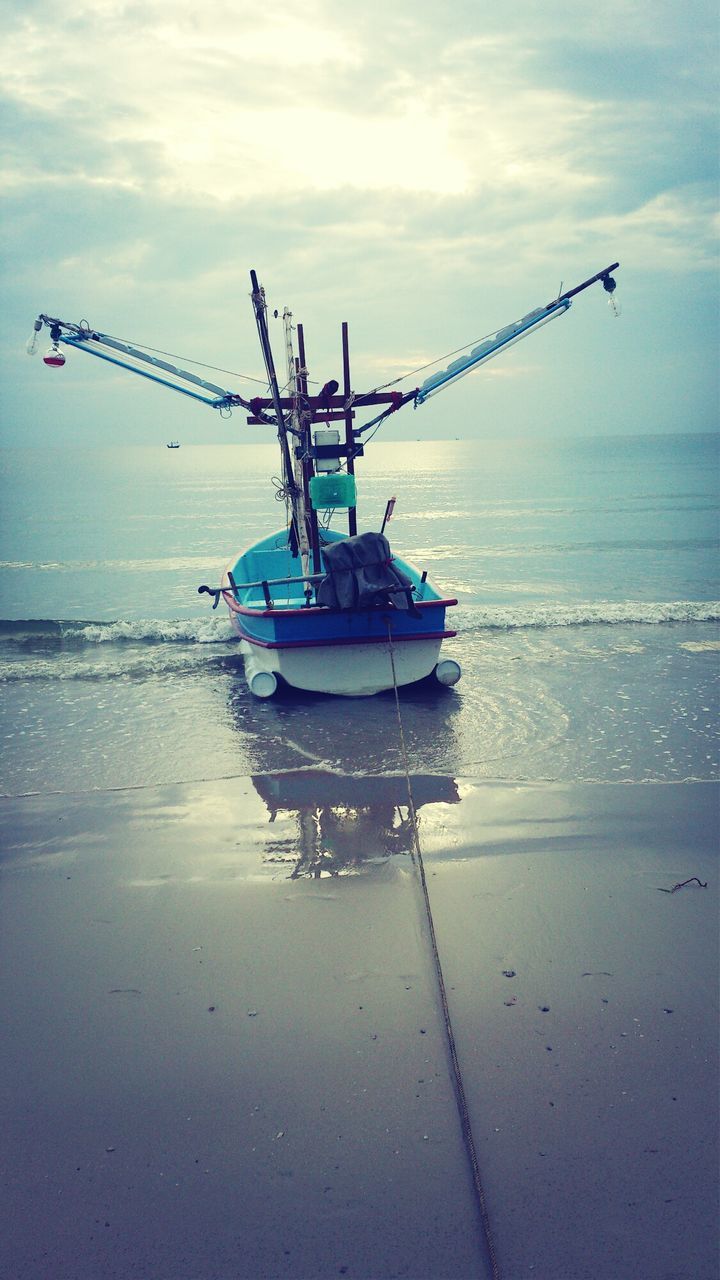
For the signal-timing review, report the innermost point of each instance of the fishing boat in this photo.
(316, 608)
(357, 629)
(174, 444)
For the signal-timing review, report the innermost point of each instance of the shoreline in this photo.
(237, 1060)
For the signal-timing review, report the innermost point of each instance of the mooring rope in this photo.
(460, 1098)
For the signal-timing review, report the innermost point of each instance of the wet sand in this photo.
(220, 1063)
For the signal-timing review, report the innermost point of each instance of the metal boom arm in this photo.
(126, 356)
(508, 336)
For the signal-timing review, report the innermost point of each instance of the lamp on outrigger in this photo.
(31, 345)
(54, 358)
(610, 285)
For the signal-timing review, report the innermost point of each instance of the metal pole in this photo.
(308, 470)
(349, 440)
(258, 301)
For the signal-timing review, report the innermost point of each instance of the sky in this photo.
(427, 173)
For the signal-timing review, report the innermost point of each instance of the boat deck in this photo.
(262, 566)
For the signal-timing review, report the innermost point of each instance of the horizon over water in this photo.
(585, 571)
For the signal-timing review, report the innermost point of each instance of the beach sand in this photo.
(220, 1063)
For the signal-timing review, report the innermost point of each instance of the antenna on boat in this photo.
(259, 305)
(301, 386)
(306, 518)
(349, 439)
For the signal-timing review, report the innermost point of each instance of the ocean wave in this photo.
(57, 633)
(603, 613)
(141, 664)
(60, 650)
(216, 629)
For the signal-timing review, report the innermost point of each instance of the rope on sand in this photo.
(460, 1098)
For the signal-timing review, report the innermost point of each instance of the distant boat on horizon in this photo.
(174, 444)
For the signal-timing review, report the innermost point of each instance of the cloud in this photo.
(424, 175)
(675, 231)
(239, 104)
(234, 105)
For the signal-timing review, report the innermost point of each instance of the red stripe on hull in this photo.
(335, 643)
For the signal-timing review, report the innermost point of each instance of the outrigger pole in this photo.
(491, 346)
(127, 356)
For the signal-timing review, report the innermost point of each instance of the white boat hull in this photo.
(352, 671)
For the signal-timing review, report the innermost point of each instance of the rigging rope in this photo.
(174, 356)
(358, 398)
(460, 1098)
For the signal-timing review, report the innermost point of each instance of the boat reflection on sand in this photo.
(344, 823)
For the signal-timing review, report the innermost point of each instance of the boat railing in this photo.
(275, 582)
(308, 579)
(266, 583)
(304, 577)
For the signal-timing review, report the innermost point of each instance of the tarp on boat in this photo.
(361, 575)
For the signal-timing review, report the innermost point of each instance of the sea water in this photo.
(586, 573)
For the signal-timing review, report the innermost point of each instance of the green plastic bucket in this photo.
(334, 490)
